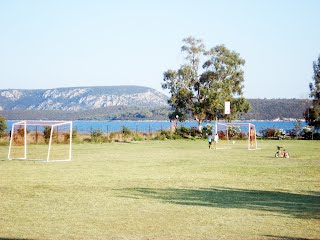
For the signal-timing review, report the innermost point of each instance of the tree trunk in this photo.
(199, 124)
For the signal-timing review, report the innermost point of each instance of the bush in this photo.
(97, 136)
(46, 133)
(166, 134)
(194, 131)
(115, 136)
(280, 134)
(234, 132)
(137, 138)
(308, 133)
(222, 135)
(183, 131)
(177, 136)
(316, 136)
(126, 131)
(273, 133)
(268, 132)
(160, 137)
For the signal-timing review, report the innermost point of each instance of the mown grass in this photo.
(164, 190)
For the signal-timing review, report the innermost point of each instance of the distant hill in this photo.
(120, 103)
(270, 109)
(80, 98)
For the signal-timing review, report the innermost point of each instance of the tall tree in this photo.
(312, 114)
(315, 87)
(3, 126)
(208, 78)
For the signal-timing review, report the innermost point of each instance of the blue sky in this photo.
(70, 43)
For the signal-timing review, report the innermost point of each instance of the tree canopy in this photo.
(312, 114)
(3, 126)
(207, 80)
(315, 87)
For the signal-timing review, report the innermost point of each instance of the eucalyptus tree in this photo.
(312, 114)
(3, 126)
(315, 87)
(208, 78)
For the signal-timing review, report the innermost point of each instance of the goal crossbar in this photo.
(42, 123)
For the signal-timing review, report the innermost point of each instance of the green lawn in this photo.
(164, 190)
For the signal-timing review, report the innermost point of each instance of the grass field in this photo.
(164, 190)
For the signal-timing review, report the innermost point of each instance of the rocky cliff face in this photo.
(80, 98)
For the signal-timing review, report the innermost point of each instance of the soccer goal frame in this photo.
(51, 128)
(252, 143)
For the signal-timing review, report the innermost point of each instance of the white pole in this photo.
(11, 138)
(50, 141)
(255, 136)
(227, 134)
(25, 140)
(216, 127)
(249, 136)
(70, 147)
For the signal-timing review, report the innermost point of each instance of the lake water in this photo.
(152, 126)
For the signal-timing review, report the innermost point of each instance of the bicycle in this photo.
(281, 152)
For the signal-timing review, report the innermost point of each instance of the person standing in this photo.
(210, 140)
(215, 141)
(252, 136)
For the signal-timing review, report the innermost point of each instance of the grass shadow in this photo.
(14, 238)
(292, 204)
(289, 238)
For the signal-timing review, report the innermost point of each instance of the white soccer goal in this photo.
(240, 134)
(41, 140)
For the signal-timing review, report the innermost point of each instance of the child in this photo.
(210, 140)
(215, 141)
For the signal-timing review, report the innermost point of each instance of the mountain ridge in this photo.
(127, 102)
(80, 98)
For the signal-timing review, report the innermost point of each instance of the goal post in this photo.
(41, 141)
(238, 133)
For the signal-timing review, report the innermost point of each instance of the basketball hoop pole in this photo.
(25, 140)
(249, 136)
(70, 142)
(216, 126)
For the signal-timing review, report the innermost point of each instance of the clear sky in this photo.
(70, 43)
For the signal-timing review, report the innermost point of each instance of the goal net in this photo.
(41, 140)
(237, 134)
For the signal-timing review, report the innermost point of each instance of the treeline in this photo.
(262, 109)
(101, 114)
(270, 109)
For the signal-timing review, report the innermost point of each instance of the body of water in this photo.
(152, 126)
